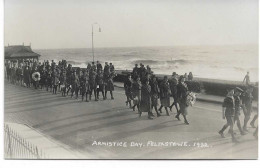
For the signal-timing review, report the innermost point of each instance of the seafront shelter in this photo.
(20, 53)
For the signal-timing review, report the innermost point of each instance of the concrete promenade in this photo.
(88, 128)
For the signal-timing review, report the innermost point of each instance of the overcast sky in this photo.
(127, 23)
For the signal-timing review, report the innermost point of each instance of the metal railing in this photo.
(16, 147)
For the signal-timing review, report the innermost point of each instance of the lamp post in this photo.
(93, 38)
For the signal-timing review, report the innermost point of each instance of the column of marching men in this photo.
(143, 90)
(85, 82)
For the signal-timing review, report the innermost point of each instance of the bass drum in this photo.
(36, 76)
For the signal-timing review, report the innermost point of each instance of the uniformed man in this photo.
(135, 71)
(109, 85)
(93, 83)
(128, 90)
(238, 105)
(106, 68)
(111, 67)
(228, 112)
(69, 74)
(63, 83)
(48, 81)
(19, 73)
(75, 85)
(99, 67)
(142, 73)
(165, 94)
(100, 83)
(136, 93)
(94, 67)
(173, 86)
(55, 80)
(89, 67)
(182, 94)
(154, 94)
(84, 84)
(247, 99)
(145, 105)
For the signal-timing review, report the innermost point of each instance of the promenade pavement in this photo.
(85, 127)
(48, 147)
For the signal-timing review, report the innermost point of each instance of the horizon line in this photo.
(251, 44)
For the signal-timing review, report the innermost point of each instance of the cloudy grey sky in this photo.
(127, 23)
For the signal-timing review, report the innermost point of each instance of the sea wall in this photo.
(200, 85)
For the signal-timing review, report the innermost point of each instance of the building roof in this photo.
(19, 51)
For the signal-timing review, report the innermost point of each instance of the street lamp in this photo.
(93, 37)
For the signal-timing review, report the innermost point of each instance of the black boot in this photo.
(178, 116)
(167, 113)
(111, 93)
(158, 114)
(221, 132)
(160, 109)
(185, 120)
(150, 116)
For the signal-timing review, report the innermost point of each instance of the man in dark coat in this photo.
(69, 74)
(89, 67)
(19, 74)
(154, 94)
(55, 80)
(145, 105)
(247, 99)
(173, 86)
(99, 67)
(63, 83)
(48, 81)
(100, 83)
(128, 90)
(93, 83)
(182, 93)
(165, 94)
(106, 71)
(228, 114)
(135, 71)
(111, 67)
(238, 105)
(75, 84)
(136, 92)
(27, 76)
(109, 85)
(84, 85)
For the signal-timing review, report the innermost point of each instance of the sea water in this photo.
(229, 62)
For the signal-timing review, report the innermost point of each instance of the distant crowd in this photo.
(63, 77)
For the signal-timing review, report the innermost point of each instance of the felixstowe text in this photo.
(150, 144)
